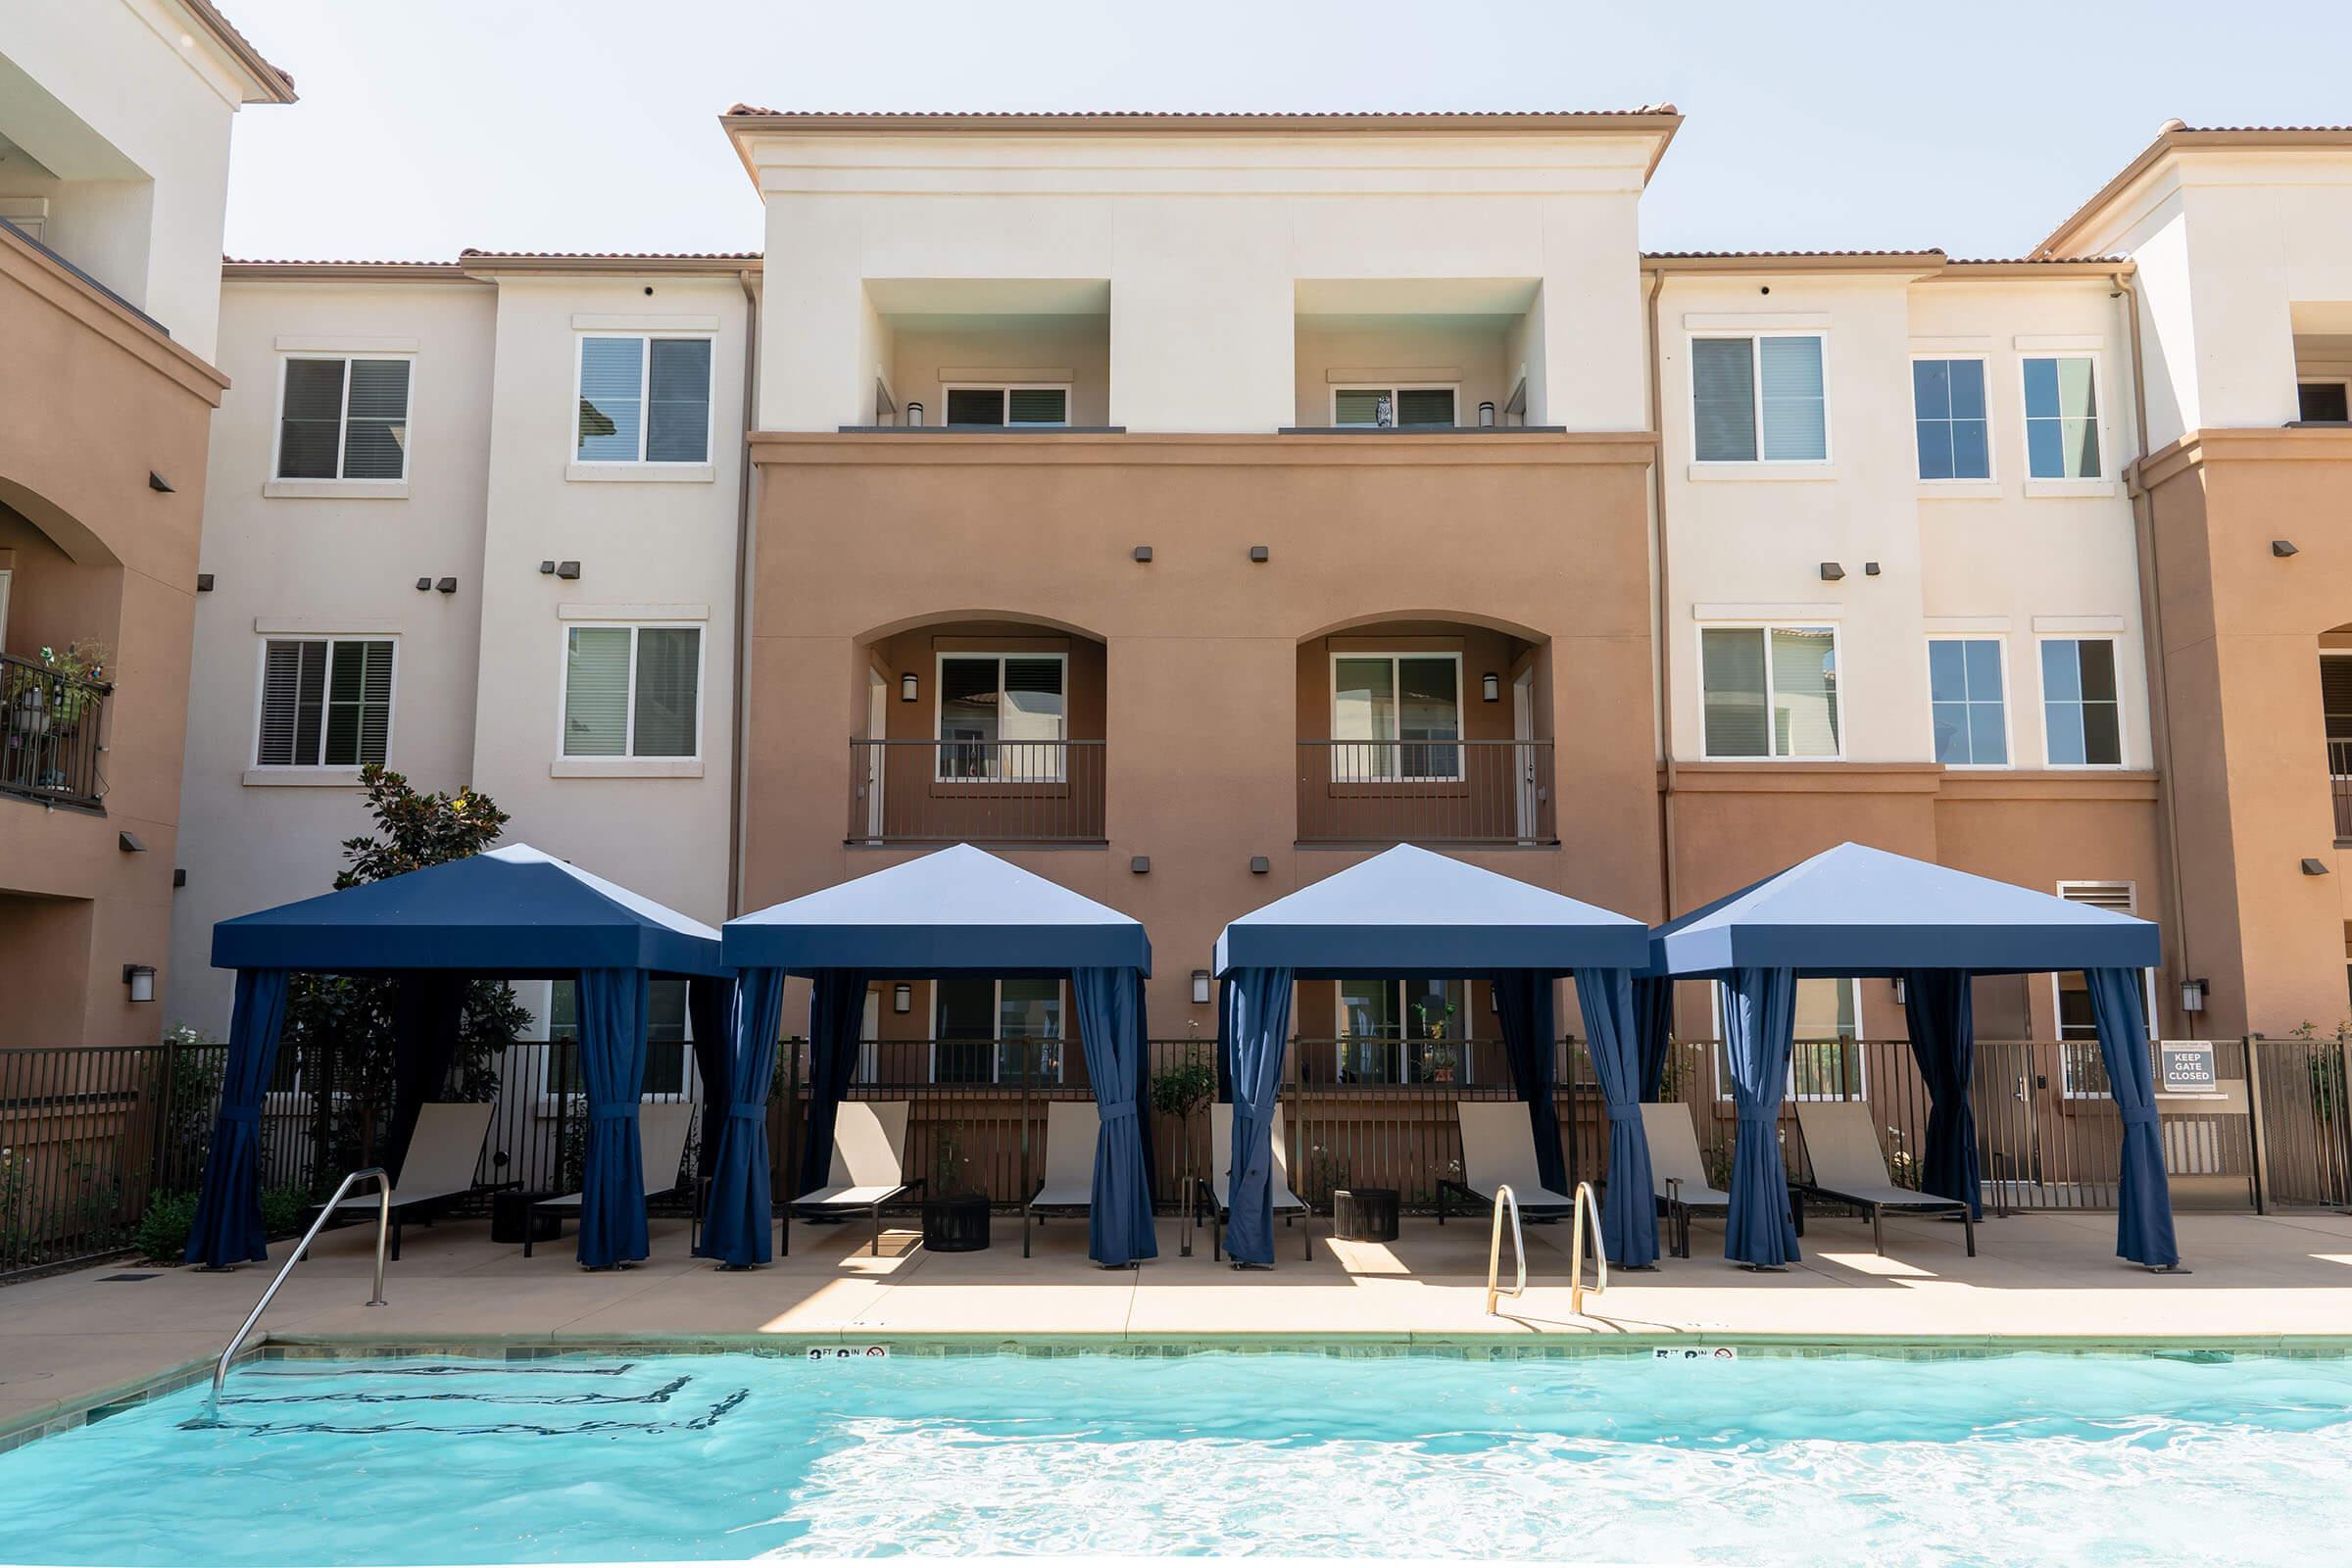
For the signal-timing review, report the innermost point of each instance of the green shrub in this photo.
(163, 1233)
(281, 1210)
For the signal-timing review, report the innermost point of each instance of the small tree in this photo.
(347, 1020)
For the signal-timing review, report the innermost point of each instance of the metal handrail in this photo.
(1504, 1199)
(302, 1248)
(1586, 1203)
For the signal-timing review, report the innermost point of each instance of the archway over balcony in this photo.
(978, 726)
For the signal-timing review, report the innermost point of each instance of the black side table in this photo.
(1364, 1213)
(513, 1219)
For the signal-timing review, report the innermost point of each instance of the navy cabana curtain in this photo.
(1629, 1210)
(1940, 1008)
(1255, 1025)
(836, 1013)
(613, 1024)
(1759, 1017)
(2143, 1218)
(1653, 1029)
(1119, 1228)
(1523, 999)
(427, 1011)
(228, 1213)
(711, 1013)
(736, 1228)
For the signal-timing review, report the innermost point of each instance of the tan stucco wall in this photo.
(93, 402)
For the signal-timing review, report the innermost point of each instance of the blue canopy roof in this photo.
(1409, 911)
(513, 913)
(1856, 910)
(959, 911)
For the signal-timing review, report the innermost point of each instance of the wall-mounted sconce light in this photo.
(2283, 547)
(2313, 865)
(1870, 568)
(1490, 687)
(2192, 995)
(179, 877)
(424, 585)
(901, 997)
(547, 568)
(1142, 554)
(157, 483)
(914, 416)
(140, 978)
(447, 585)
(1486, 415)
(1260, 865)
(1140, 864)
(1260, 553)
(569, 571)
(908, 687)
(204, 582)
(1831, 571)
(1200, 984)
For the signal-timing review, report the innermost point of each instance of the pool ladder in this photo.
(302, 1249)
(1584, 1203)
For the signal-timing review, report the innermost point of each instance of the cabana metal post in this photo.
(511, 914)
(959, 911)
(1868, 913)
(1409, 911)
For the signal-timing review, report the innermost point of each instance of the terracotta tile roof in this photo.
(473, 254)
(344, 260)
(1796, 256)
(1243, 117)
(278, 85)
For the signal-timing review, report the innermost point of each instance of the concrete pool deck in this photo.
(77, 1339)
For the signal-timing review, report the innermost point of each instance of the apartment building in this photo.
(115, 120)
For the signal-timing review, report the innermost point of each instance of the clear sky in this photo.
(426, 126)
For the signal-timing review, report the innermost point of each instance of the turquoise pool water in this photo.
(2024, 1458)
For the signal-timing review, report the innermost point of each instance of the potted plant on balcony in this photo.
(1438, 1059)
(1181, 1092)
(954, 1202)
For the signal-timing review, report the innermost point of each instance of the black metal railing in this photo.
(52, 727)
(975, 791)
(1425, 792)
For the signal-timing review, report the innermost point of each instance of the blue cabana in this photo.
(1409, 911)
(511, 914)
(957, 911)
(1868, 913)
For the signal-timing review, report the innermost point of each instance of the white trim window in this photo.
(643, 398)
(1402, 1031)
(1826, 1058)
(633, 691)
(1949, 411)
(1965, 705)
(668, 1041)
(1402, 407)
(1768, 692)
(2082, 710)
(2323, 399)
(2062, 416)
(1759, 397)
(1020, 405)
(1003, 718)
(342, 416)
(1395, 718)
(2082, 1068)
(326, 702)
(979, 1026)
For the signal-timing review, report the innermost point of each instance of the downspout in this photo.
(737, 769)
(1668, 882)
(2151, 619)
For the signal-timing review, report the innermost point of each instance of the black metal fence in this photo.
(51, 728)
(89, 1137)
(1425, 792)
(975, 791)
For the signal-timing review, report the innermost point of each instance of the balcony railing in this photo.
(2340, 781)
(50, 728)
(975, 791)
(1425, 792)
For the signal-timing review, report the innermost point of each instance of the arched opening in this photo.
(980, 728)
(60, 615)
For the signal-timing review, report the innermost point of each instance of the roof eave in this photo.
(2184, 139)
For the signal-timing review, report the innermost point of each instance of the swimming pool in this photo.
(1766, 1459)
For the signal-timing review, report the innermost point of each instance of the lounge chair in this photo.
(1499, 1150)
(1072, 1128)
(661, 1129)
(1678, 1177)
(1213, 1183)
(1841, 1148)
(869, 1164)
(443, 1152)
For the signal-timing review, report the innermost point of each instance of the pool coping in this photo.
(132, 1393)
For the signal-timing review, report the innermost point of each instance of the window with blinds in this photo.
(2084, 1069)
(326, 702)
(644, 400)
(343, 419)
(1759, 398)
(1008, 406)
(1002, 716)
(633, 691)
(1769, 691)
(1401, 407)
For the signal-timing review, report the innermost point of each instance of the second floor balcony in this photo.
(52, 723)
(975, 791)
(1495, 791)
